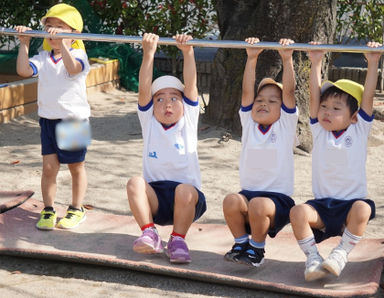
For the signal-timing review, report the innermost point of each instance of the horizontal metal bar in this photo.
(232, 44)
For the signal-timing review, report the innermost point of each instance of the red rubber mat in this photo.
(11, 199)
(106, 239)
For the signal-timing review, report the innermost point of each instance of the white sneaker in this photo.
(336, 261)
(313, 269)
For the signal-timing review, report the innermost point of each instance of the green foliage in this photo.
(361, 20)
(27, 13)
(165, 18)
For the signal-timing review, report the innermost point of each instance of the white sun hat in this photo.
(166, 82)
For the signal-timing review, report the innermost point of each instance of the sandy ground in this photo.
(113, 157)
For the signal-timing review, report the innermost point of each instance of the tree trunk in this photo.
(301, 21)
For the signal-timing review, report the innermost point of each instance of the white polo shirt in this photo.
(171, 153)
(338, 161)
(266, 160)
(59, 95)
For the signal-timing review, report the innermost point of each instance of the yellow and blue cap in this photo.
(350, 87)
(69, 15)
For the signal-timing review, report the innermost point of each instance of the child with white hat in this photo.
(62, 68)
(169, 191)
(341, 115)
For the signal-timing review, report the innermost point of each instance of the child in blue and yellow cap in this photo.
(62, 67)
(341, 116)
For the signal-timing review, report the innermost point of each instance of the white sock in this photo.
(308, 245)
(348, 241)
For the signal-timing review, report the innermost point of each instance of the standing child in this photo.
(169, 191)
(341, 118)
(62, 68)
(266, 163)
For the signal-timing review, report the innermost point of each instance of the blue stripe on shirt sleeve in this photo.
(34, 68)
(190, 102)
(313, 120)
(247, 108)
(146, 107)
(365, 116)
(288, 110)
(82, 63)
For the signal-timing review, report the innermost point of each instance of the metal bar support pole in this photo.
(231, 44)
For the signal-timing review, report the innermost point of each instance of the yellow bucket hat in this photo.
(69, 15)
(350, 87)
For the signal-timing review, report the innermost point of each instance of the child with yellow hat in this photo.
(62, 68)
(341, 115)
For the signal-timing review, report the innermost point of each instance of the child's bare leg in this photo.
(358, 217)
(261, 217)
(357, 220)
(79, 183)
(142, 200)
(302, 218)
(235, 208)
(186, 198)
(143, 203)
(75, 213)
(51, 167)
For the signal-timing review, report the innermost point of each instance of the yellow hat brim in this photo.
(352, 88)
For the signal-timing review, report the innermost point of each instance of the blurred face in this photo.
(57, 26)
(267, 105)
(168, 106)
(334, 113)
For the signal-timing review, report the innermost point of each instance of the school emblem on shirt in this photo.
(273, 137)
(152, 154)
(348, 141)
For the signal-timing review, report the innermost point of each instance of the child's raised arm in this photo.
(249, 76)
(72, 65)
(371, 78)
(289, 81)
(146, 70)
(22, 63)
(189, 68)
(316, 58)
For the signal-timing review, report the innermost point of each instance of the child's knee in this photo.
(261, 206)
(186, 194)
(77, 168)
(297, 213)
(360, 211)
(231, 202)
(135, 183)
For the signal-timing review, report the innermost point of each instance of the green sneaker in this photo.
(73, 218)
(47, 220)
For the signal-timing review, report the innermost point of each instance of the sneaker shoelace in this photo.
(47, 215)
(178, 244)
(337, 256)
(70, 215)
(312, 259)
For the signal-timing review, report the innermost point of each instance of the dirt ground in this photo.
(113, 157)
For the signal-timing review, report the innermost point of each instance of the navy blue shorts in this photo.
(333, 213)
(283, 205)
(49, 145)
(165, 192)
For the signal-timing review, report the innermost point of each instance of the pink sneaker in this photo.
(178, 250)
(148, 243)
